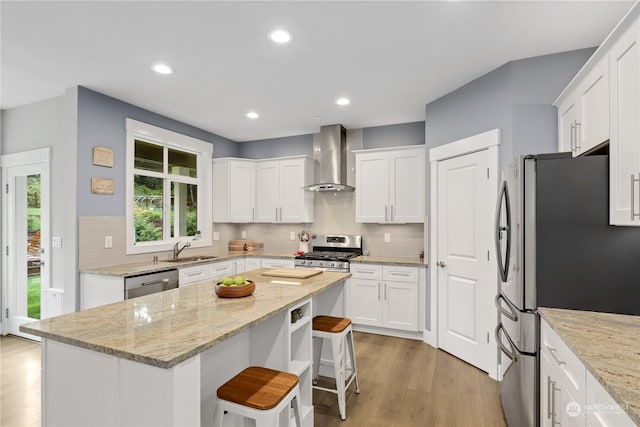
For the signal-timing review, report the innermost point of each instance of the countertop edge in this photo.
(613, 391)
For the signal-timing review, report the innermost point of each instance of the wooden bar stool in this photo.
(260, 394)
(338, 331)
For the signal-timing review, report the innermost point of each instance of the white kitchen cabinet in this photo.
(583, 113)
(384, 296)
(277, 263)
(279, 194)
(601, 410)
(218, 270)
(252, 263)
(234, 190)
(390, 185)
(100, 289)
(191, 275)
(624, 145)
(239, 265)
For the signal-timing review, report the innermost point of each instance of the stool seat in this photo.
(258, 388)
(330, 324)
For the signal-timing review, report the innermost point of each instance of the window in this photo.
(168, 188)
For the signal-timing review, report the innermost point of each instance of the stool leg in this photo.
(352, 353)
(217, 418)
(317, 353)
(337, 345)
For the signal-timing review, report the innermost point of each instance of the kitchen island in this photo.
(158, 359)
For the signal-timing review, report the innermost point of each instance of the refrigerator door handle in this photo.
(503, 267)
(512, 314)
(513, 354)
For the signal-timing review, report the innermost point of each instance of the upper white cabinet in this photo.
(234, 190)
(390, 185)
(583, 113)
(279, 193)
(262, 190)
(624, 147)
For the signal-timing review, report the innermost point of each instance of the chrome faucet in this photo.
(177, 249)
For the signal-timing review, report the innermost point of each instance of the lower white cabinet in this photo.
(569, 394)
(202, 272)
(384, 296)
(100, 289)
(277, 263)
(252, 263)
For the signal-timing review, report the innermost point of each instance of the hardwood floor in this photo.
(402, 383)
(408, 383)
(19, 382)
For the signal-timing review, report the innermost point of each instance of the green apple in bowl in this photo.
(239, 280)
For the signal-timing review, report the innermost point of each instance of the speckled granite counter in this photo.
(608, 345)
(389, 260)
(133, 269)
(166, 328)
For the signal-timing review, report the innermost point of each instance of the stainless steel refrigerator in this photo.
(556, 249)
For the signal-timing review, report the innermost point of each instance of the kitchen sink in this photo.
(192, 258)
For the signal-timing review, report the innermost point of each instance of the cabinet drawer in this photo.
(220, 269)
(569, 367)
(194, 274)
(366, 271)
(400, 274)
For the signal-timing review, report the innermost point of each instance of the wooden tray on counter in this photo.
(295, 273)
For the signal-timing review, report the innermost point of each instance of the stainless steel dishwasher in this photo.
(145, 284)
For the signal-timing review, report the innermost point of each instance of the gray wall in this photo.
(101, 122)
(299, 145)
(393, 135)
(52, 123)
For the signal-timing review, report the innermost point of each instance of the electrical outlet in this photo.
(243, 234)
(387, 237)
(108, 242)
(56, 242)
(292, 235)
(216, 235)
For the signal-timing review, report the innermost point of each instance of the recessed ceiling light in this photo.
(162, 69)
(343, 101)
(252, 115)
(280, 36)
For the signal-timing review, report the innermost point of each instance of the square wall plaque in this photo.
(103, 156)
(102, 185)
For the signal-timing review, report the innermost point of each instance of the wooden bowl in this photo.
(235, 291)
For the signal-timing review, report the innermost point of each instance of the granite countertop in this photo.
(608, 345)
(166, 328)
(145, 267)
(389, 260)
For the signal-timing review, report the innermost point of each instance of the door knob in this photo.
(441, 264)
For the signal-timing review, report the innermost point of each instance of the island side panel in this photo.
(83, 387)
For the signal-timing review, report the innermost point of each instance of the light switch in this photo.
(292, 235)
(108, 242)
(56, 242)
(387, 237)
(243, 234)
(216, 235)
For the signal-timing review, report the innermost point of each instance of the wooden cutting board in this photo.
(296, 273)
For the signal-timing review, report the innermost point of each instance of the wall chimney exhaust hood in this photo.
(332, 174)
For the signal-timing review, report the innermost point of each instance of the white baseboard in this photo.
(388, 332)
(430, 337)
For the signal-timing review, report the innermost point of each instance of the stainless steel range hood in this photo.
(332, 175)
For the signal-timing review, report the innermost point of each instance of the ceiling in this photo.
(389, 58)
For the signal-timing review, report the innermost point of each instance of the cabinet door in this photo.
(220, 199)
(406, 187)
(238, 266)
(624, 147)
(267, 191)
(400, 306)
(293, 199)
(365, 302)
(241, 191)
(547, 382)
(252, 263)
(567, 118)
(593, 125)
(218, 270)
(372, 187)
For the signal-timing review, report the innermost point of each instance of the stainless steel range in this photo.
(331, 252)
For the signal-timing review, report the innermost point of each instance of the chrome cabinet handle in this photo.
(385, 212)
(391, 213)
(554, 354)
(385, 291)
(633, 196)
(441, 264)
(253, 214)
(378, 290)
(572, 137)
(553, 403)
(578, 127)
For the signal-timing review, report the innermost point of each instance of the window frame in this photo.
(136, 130)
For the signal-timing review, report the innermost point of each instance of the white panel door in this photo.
(242, 191)
(407, 186)
(624, 147)
(464, 216)
(365, 302)
(267, 191)
(372, 187)
(593, 127)
(400, 307)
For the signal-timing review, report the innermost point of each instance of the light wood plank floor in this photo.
(19, 382)
(402, 383)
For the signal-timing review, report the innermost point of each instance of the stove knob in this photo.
(321, 263)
